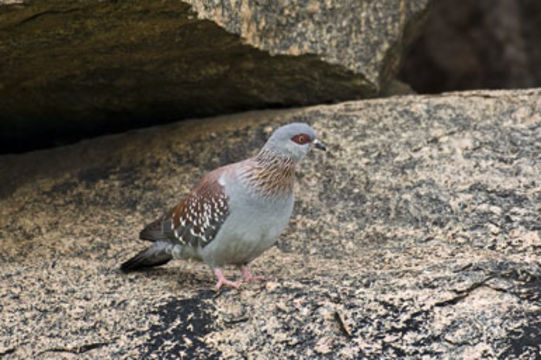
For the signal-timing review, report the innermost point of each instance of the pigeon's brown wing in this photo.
(195, 221)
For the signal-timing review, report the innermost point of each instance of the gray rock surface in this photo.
(416, 235)
(73, 69)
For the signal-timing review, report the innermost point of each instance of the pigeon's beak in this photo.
(319, 145)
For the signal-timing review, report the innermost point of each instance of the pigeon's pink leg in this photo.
(247, 275)
(223, 281)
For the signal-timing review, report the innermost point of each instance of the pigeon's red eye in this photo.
(301, 139)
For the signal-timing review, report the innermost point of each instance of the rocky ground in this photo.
(417, 235)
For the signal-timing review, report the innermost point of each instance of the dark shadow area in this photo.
(474, 44)
(180, 320)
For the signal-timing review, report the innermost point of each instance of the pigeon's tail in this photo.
(158, 254)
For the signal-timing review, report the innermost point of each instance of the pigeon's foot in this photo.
(222, 281)
(247, 275)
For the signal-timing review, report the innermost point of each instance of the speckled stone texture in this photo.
(416, 235)
(76, 68)
(359, 35)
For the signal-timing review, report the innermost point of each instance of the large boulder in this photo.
(415, 235)
(73, 69)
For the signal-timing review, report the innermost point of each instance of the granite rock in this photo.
(75, 69)
(416, 235)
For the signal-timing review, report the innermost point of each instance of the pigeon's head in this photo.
(293, 141)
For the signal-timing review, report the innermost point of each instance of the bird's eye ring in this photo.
(301, 139)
